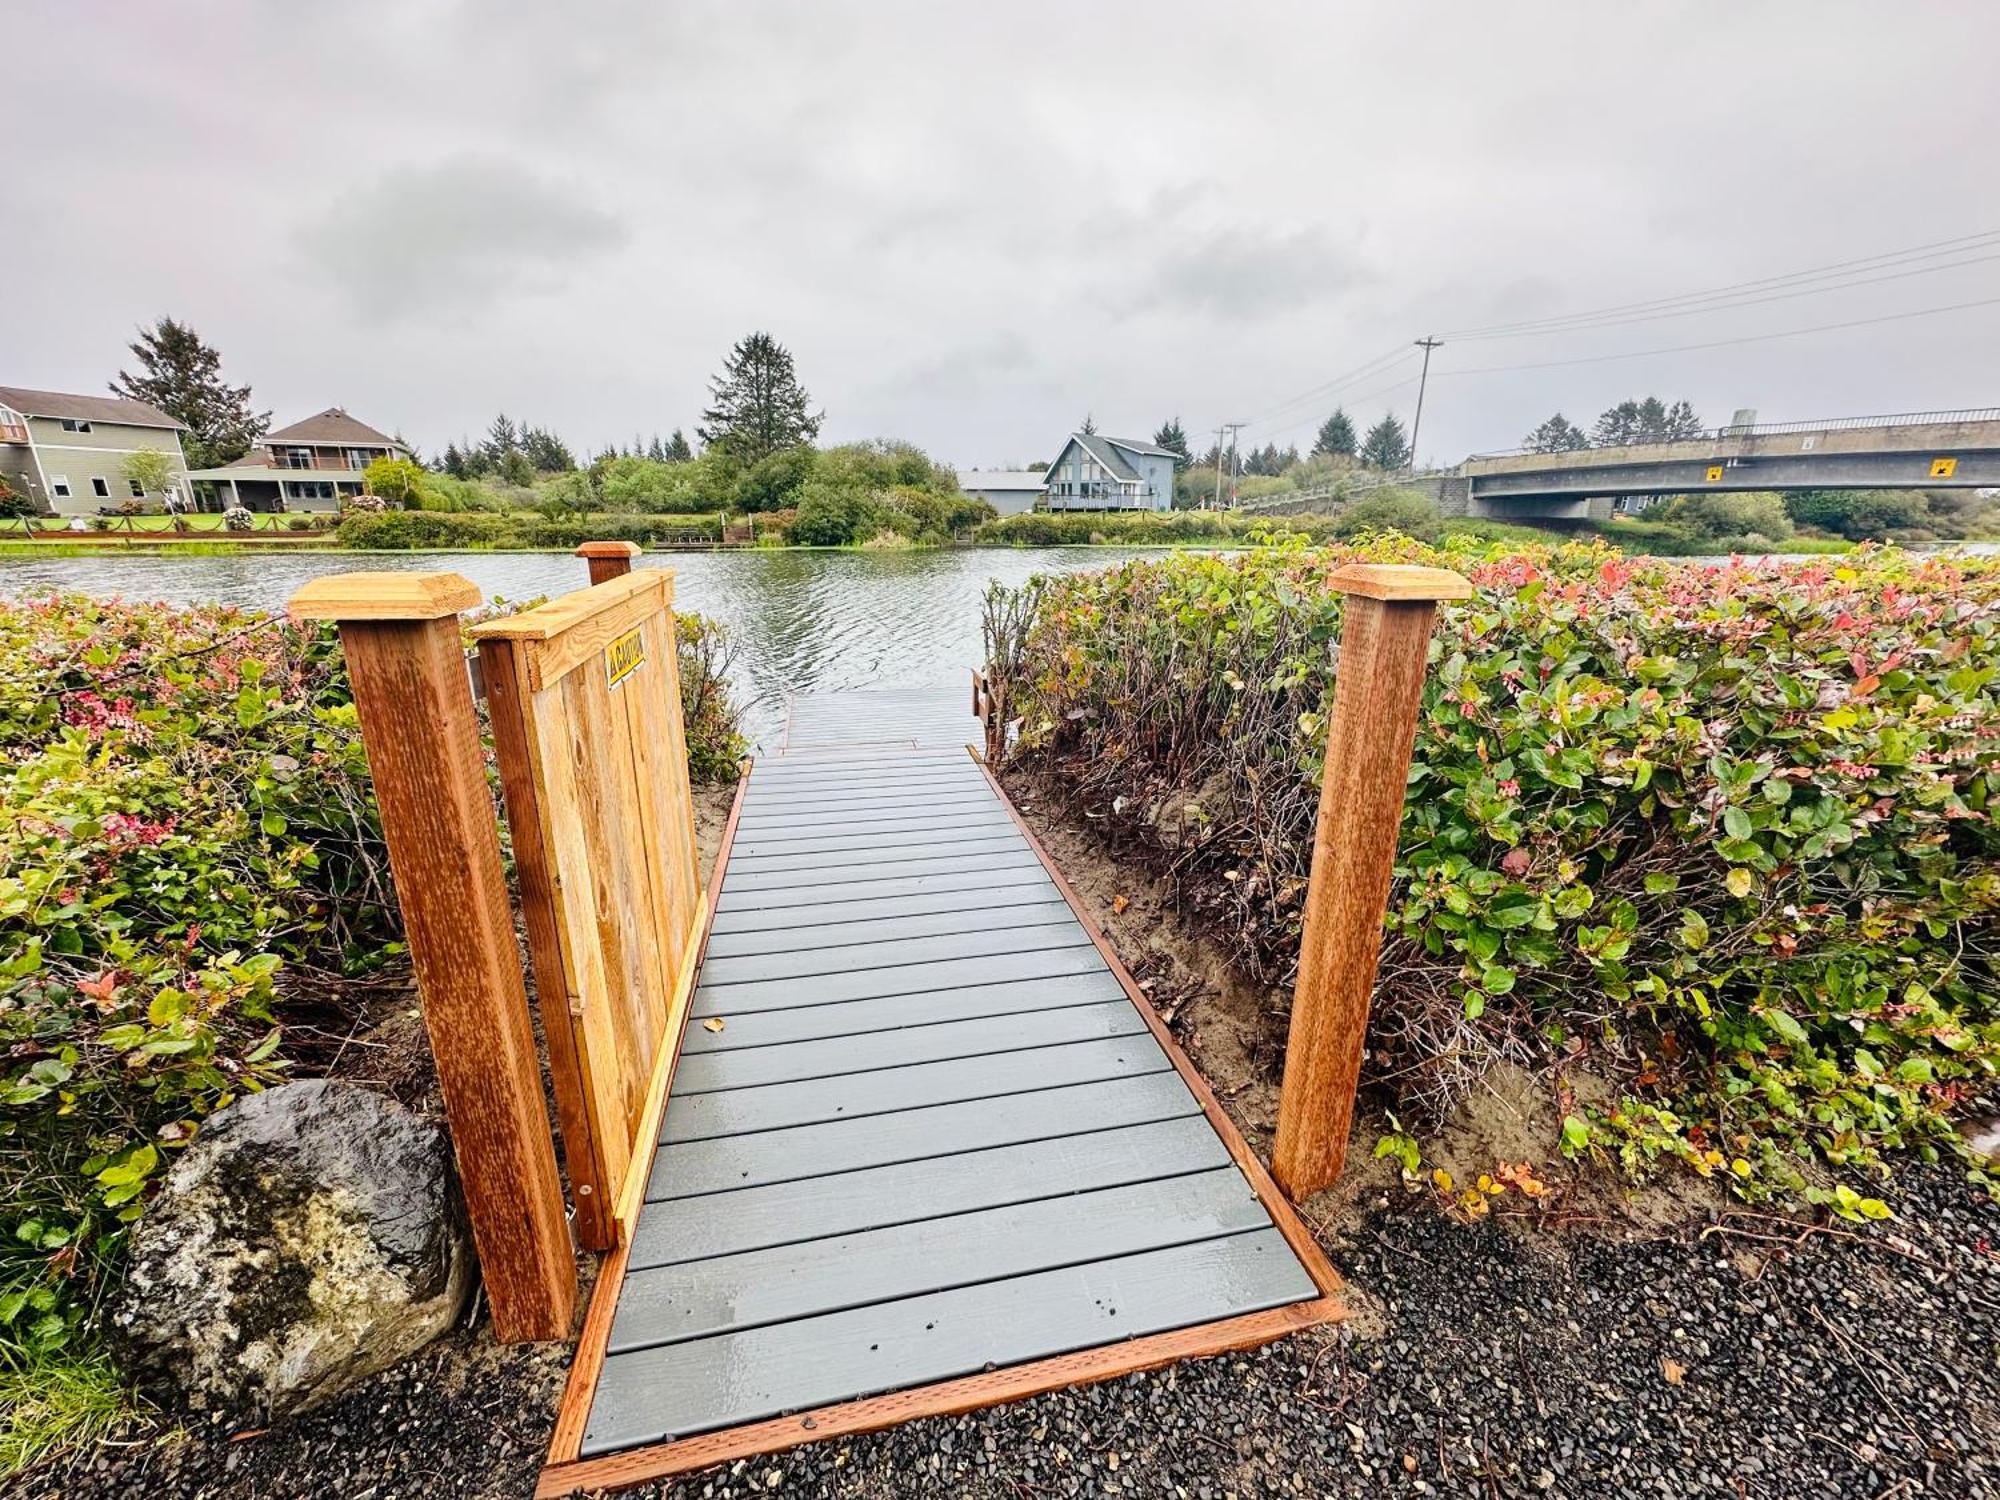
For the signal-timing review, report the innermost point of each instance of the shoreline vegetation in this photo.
(1709, 848)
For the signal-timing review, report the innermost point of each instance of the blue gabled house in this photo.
(1094, 472)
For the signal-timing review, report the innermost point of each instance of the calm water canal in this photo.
(802, 621)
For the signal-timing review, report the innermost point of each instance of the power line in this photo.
(1725, 306)
(1926, 251)
(1755, 338)
(1359, 372)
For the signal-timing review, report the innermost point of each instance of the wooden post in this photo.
(1378, 688)
(400, 635)
(608, 560)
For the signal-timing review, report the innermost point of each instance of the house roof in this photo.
(60, 404)
(1105, 451)
(1133, 445)
(1003, 479)
(333, 425)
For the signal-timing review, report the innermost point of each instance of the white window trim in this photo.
(59, 487)
(100, 487)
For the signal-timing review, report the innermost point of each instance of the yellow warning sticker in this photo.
(1714, 472)
(1943, 468)
(624, 656)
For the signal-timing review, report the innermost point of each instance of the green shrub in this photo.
(774, 480)
(184, 806)
(1721, 836)
(1396, 510)
(1139, 528)
(1860, 515)
(399, 530)
(834, 515)
(1749, 520)
(396, 480)
(715, 742)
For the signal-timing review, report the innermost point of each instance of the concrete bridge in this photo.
(1910, 451)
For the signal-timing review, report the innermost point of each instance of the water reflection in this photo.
(803, 621)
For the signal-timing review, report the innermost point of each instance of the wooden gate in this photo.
(584, 694)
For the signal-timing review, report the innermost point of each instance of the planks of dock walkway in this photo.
(926, 1146)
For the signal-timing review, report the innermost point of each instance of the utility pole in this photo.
(1231, 428)
(1427, 343)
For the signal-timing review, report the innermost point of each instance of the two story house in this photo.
(1105, 473)
(310, 465)
(67, 453)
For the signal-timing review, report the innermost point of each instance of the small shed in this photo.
(1009, 491)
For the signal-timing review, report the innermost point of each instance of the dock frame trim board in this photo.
(567, 1474)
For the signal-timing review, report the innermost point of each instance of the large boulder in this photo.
(312, 1235)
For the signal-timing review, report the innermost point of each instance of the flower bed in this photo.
(1714, 842)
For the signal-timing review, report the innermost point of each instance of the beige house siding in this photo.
(81, 458)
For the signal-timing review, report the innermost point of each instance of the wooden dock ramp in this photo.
(926, 1146)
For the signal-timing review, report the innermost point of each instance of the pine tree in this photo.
(656, 450)
(1557, 435)
(1336, 435)
(502, 438)
(1682, 423)
(1647, 421)
(678, 451)
(547, 453)
(453, 462)
(1174, 440)
(1386, 446)
(1089, 427)
(758, 405)
(182, 376)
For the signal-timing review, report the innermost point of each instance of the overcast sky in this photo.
(972, 224)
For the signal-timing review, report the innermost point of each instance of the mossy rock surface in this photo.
(312, 1236)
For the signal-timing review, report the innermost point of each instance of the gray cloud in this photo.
(969, 235)
(454, 236)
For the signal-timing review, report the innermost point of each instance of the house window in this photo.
(360, 458)
(72, 424)
(59, 486)
(296, 458)
(138, 489)
(100, 489)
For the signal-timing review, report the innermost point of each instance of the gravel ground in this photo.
(1514, 1358)
(1482, 1361)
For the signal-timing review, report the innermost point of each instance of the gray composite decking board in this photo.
(689, 1169)
(770, 1106)
(976, 911)
(1058, 951)
(769, 906)
(670, 1304)
(931, 1132)
(806, 918)
(809, 1208)
(973, 843)
(958, 858)
(907, 835)
(787, 819)
(805, 1023)
(679, 1389)
(860, 959)
(837, 1056)
(902, 794)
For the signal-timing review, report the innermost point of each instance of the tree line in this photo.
(1647, 420)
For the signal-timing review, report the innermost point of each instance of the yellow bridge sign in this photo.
(1943, 468)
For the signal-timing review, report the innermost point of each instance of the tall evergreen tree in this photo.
(656, 450)
(182, 376)
(1682, 422)
(1336, 435)
(453, 462)
(546, 452)
(1557, 435)
(1089, 427)
(1387, 446)
(1174, 440)
(678, 451)
(1647, 421)
(757, 405)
